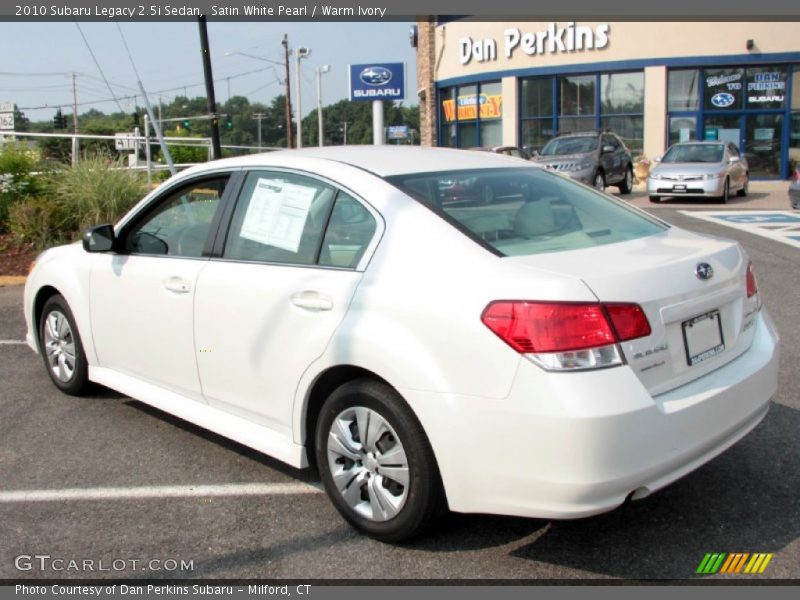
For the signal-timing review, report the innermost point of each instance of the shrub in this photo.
(37, 221)
(98, 190)
(17, 177)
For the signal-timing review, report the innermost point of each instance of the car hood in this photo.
(686, 168)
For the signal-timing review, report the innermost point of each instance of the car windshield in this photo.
(694, 153)
(570, 145)
(528, 210)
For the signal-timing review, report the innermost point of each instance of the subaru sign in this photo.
(377, 81)
(722, 100)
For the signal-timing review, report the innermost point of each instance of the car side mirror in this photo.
(99, 238)
(608, 149)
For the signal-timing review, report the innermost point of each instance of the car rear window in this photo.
(528, 210)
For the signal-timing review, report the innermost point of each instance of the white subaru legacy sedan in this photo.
(431, 329)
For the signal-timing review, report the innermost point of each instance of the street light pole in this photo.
(300, 53)
(288, 107)
(320, 71)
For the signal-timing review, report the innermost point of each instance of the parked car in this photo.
(507, 150)
(549, 354)
(597, 158)
(709, 169)
(794, 189)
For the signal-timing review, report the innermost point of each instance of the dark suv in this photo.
(598, 158)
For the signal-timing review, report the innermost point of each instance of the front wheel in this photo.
(376, 463)
(599, 181)
(627, 184)
(61, 348)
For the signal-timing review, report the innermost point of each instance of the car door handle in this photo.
(177, 285)
(311, 300)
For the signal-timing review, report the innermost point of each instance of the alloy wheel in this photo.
(59, 343)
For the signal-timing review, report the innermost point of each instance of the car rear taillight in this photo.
(566, 335)
(752, 285)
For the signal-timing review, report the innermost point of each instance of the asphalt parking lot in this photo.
(744, 501)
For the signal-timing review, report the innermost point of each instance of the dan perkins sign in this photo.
(552, 40)
(377, 81)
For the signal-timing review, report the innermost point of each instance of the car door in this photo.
(268, 305)
(142, 295)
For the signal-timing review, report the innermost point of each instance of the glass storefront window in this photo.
(577, 95)
(447, 130)
(683, 90)
(629, 128)
(766, 87)
(723, 89)
(622, 93)
(469, 113)
(536, 133)
(723, 129)
(683, 129)
(536, 97)
(794, 141)
(763, 145)
(571, 124)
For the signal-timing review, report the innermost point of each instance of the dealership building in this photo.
(653, 83)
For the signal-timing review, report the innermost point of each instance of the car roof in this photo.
(383, 161)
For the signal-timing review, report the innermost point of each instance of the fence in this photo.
(133, 145)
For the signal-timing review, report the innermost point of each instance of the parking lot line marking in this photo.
(173, 491)
(778, 225)
(12, 342)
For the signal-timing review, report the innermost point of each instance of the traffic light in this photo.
(229, 122)
(187, 123)
(59, 121)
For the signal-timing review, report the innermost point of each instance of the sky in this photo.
(38, 59)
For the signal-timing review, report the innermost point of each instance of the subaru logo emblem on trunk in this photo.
(704, 271)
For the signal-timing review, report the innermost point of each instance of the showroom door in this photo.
(763, 144)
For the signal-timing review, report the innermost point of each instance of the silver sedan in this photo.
(710, 169)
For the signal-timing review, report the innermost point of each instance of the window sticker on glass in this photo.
(277, 213)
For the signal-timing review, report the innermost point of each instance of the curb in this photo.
(12, 280)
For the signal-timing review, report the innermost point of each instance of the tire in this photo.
(389, 508)
(655, 198)
(599, 181)
(745, 188)
(723, 199)
(62, 349)
(626, 185)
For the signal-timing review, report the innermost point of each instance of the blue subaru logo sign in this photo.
(704, 271)
(722, 100)
(381, 81)
(376, 76)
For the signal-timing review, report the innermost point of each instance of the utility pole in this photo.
(285, 44)
(345, 133)
(212, 104)
(259, 116)
(75, 142)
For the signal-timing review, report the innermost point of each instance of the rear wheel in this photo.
(376, 462)
(62, 349)
(745, 187)
(725, 192)
(626, 185)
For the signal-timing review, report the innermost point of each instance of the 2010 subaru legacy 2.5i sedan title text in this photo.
(548, 352)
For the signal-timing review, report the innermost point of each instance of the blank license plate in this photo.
(702, 337)
(679, 188)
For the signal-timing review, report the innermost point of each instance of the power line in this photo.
(97, 64)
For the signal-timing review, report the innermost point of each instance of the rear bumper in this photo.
(577, 444)
(712, 188)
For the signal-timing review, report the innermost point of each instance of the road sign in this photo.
(7, 121)
(377, 81)
(6, 107)
(397, 132)
(124, 141)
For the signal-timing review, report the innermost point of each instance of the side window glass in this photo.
(280, 218)
(180, 224)
(350, 230)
